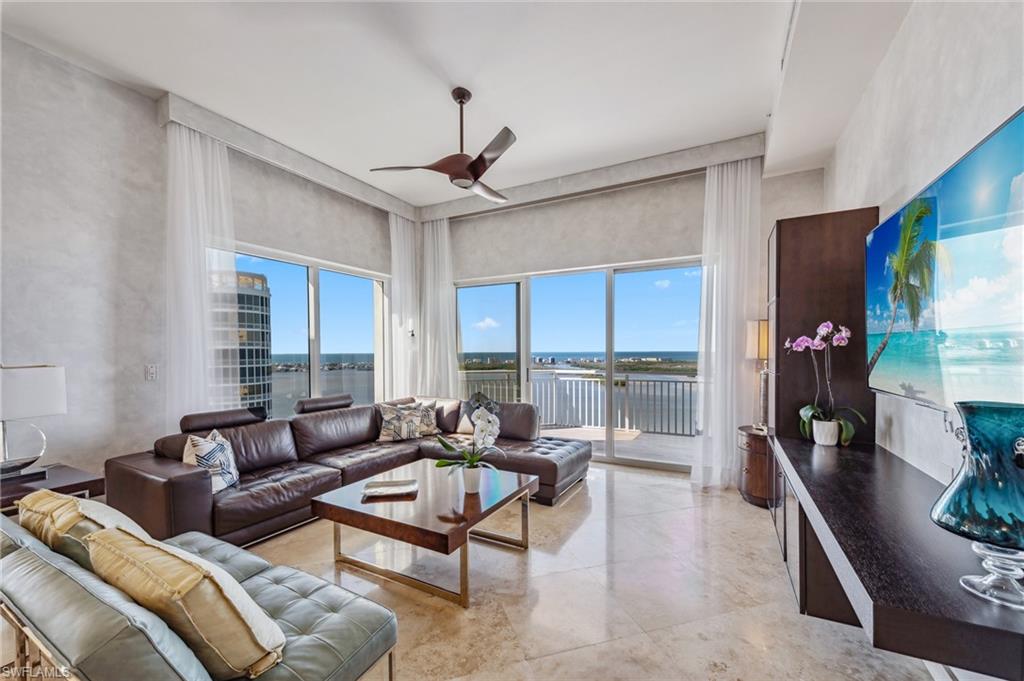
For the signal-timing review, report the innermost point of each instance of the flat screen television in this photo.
(945, 282)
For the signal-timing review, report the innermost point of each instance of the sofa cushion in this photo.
(519, 421)
(309, 405)
(270, 491)
(62, 521)
(362, 461)
(173, 446)
(238, 563)
(400, 422)
(330, 634)
(551, 459)
(94, 628)
(229, 633)
(447, 412)
(326, 430)
(13, 537)
(227, 418)
(213, 453)
(259, 445)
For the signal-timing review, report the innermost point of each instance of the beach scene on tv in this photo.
(945, 282)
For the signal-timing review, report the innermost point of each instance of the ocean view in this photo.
(353, 373)
(945, 366)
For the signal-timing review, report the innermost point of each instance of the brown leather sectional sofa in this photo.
(284, 463)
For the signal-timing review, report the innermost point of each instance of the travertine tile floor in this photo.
(638, 575)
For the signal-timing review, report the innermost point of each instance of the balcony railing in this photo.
(567, 398)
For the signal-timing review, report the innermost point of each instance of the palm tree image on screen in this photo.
(912, 264)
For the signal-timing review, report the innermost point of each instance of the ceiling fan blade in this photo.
(492, 152)
(373, 170)
(481, 189)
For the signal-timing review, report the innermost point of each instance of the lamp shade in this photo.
(757, 339)
(31, 391)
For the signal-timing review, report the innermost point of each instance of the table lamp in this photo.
(28, 392)
(757, 349)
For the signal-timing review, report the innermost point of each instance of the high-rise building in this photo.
(242, 371)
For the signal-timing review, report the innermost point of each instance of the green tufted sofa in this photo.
(100, 634)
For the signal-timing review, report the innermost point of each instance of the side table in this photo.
(59, 478)
(753, 454)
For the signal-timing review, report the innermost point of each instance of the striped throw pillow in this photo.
(213, 453)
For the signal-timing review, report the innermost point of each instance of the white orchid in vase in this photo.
(486, 427)
(817, 419)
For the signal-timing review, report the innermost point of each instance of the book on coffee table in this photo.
(390, 488)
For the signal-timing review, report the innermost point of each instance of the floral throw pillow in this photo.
(400, 422)
(213, 453)
(428, 418)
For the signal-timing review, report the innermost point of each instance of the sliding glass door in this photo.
(488, 341)
(657, 318)
(610, 356)
(568, 355)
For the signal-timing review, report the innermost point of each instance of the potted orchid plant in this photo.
(821, 420)
(486, 426)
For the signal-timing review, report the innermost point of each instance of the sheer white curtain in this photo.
(438, 361)
(405, 299)
(202, 342)
(732, 217)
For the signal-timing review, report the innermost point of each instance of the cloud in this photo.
(975, 304)
(692, 272)
(662, 283)
(682, 322)
(486, 323)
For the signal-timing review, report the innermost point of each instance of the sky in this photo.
(655, 310)
(978, 218)
(346, 308)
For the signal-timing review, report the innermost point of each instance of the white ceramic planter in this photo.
(826, 432)
(471, 480)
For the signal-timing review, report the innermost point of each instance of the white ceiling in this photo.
(361, 85)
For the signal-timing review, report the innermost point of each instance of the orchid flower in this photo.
(827, 338)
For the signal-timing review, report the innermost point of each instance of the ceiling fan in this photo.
(463, 170)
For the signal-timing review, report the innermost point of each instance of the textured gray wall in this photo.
(280, 210)
(658, 220)
(953, 74)
(787, 196)
(83, 234)
(82, 262)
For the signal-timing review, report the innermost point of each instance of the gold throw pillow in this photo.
(62, 521)
(229, 633)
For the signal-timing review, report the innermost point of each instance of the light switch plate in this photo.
(151, 372)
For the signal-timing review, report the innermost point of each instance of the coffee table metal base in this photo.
(462, 595)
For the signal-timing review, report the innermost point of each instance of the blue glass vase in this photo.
(985, 502)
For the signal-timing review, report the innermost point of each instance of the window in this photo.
(268, 356)
(608, 354)
(273, 333)
(488, 325)
(347, 335)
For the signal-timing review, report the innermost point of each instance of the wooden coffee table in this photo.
(441, 517)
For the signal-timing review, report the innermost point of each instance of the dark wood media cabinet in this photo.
(866, 553)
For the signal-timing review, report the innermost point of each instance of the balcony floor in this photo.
(636, 446)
